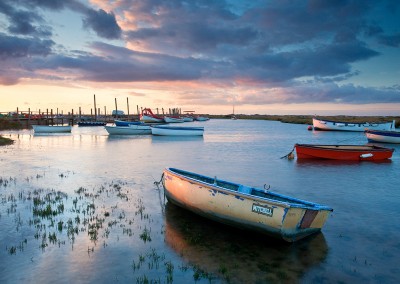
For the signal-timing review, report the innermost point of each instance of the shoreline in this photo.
(7, 124)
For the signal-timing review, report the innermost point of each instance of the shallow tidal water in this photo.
(83, 208)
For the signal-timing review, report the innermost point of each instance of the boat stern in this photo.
(300, 222)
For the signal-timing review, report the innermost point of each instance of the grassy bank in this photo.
(6, 124)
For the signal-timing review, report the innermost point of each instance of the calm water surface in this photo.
(83, 208)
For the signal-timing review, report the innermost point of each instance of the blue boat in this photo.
(92, 123)
(126, 123)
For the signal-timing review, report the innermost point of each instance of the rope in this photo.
(162, 204)
(289, 155)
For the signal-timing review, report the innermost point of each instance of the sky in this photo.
(209, 56)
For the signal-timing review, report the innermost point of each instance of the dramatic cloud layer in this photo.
(276, 51)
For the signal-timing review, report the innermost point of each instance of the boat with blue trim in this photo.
(91, 123)
(382, 136)
(126, 123)
(234, 204)
(322, 124)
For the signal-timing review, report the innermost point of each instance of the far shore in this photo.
(296, 119)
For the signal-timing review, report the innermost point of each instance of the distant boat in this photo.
(173, 119)
(165, 130)
(128, 130)
(148, 116)
(382, 136)
(320, 124)
(187, 118)
(244, 207)
(343, 152)
(126, 123)
(51, 128)
(91, 123)
(233, 116)
(201, 118)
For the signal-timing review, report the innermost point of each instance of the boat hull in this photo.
(126, 123)
(320, 124)
(91, 123)
(201, 118)
(343, 152)
(128, 130)
(237, 208)
(170, 119)
(51, 128)
(150, 119)
(177, 131)
(383, 136)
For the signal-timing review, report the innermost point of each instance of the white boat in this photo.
(128, 130)
(166, 130)
(320, 124)
(148, 116)
(187, 118)
(382, 136)
(245, 207)
(51, 128)
(173, 119)
(201, 118)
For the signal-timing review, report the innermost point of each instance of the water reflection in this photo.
(168, 139)
(333, 163)
(239, 256)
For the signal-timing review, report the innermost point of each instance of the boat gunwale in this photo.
(291, 202)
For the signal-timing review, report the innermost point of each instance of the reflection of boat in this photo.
(173, 119)
(92, 123)
(51, 128)
(165, 130)
(208, 246)
(383, 136)
(148, 116)
(343, 152)
(126, 123)
(260, 210)
(128, 130)
(320, 124)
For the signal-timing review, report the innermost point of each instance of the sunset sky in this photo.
(262, 57)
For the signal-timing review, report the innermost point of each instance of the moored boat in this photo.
(187, 118)
(343, 152)
(382, 136)
(245, 207)
(148, 116)
(173, 119)
(201, 118)
(166, 130)
(320, 124)
(128, 130)
(91, 123)
(126, 123)
(51, 128)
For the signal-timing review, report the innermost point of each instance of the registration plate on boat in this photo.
(262, 209)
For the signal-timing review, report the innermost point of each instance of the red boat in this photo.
(343, 152)
(148, 116)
